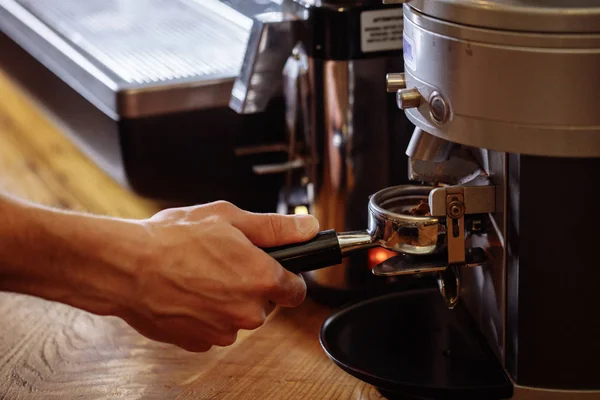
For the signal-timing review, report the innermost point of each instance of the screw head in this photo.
(456, 209)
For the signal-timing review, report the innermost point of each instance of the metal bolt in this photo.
(395, 82)
(456, 209)
(408, 98)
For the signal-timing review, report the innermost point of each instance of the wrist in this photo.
(85, 261)
(20, 245)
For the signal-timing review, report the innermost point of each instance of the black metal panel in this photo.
(553, 311)
(334, 33)
(191, 156)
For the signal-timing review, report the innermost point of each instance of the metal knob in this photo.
(408, 98)
(395, 82)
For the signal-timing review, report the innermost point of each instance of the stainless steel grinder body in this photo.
(518, 83)
(328, 58)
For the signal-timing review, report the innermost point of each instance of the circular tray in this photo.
(410, 344)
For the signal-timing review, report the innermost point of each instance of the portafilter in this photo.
(392, 225)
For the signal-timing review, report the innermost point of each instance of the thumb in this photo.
(269, 230)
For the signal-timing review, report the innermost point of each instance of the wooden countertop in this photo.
(51, 351)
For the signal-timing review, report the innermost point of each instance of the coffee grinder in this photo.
(505, 97)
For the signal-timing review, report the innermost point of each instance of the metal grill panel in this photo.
(151, 41)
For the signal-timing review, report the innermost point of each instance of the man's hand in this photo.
(192, 276)
(205, 278)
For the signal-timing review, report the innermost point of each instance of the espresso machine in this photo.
(142, 88)
(505, 97)
(345, 138)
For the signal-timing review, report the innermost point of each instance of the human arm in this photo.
(189, 276)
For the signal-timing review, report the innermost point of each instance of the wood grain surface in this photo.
(51, 351)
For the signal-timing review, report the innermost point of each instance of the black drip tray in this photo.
(410, 345)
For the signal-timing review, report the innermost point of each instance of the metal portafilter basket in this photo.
(392, 226)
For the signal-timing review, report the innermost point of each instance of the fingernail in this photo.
(306, 224)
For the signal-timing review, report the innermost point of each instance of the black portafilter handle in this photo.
(320, 252)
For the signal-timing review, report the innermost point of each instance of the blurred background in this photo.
(273, 105)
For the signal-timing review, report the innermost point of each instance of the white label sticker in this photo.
(409, 53)
(381, 30)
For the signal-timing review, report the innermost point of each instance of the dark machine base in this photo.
(184, 158)
(411, 346)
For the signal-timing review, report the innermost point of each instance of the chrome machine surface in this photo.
(513, 88)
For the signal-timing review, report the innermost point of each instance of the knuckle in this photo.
(279, 276)
(214, 219)
(275, 225)
(223, 206)
(167, 214)
(270, 282)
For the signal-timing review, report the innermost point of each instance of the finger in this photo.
(183, 332)
(193, 346)
(265, 230)
(150, 330)
(270, 307)
(249, 316)
(273, 281)
(269, 230)
(187, 333)
(290, 291)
